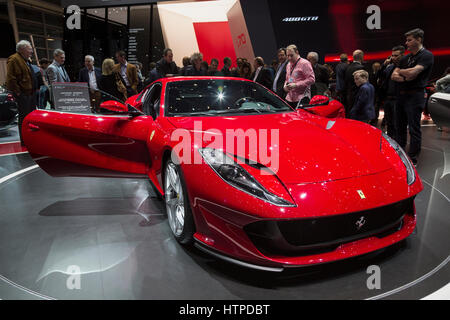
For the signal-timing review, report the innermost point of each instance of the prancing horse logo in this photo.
(360, 222)
(361, 194)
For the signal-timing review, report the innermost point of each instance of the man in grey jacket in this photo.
(56, 71)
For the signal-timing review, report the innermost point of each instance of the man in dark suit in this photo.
(261, 74)
(363, 108)
(320, 73)
(340, 77)
(166, 67)
(92, 76)
(280, 74)
(350, 86)
(226, 67)
(89, 73)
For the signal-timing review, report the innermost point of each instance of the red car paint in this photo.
(324, 165)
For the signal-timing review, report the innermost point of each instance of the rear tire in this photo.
(178, 208)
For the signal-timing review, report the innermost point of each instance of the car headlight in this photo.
(410, 173)
(233, 174)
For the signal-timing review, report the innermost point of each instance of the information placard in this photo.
(71, 97)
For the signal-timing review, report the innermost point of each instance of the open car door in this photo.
(88, 133)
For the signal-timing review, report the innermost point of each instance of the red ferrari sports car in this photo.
(243, 175)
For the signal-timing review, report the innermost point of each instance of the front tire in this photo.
(178, 209)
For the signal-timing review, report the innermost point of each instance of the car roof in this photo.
(184, 78)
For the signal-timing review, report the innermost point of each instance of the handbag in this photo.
(120, 86)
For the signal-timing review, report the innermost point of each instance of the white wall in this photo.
(179, 35)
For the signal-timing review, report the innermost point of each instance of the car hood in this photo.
(310, 148)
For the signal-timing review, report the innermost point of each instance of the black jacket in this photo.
(109, 85)
(226, 72)
(280, 81)
(191, 71)
(264, 78)
(350, 86)
(363, 107)
(83, 75)
(163, 68)
(322, 80)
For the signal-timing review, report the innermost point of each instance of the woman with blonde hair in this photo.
(111, 82)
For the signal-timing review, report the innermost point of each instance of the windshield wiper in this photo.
(227, 111)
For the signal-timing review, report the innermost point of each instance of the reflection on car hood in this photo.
(311, 148)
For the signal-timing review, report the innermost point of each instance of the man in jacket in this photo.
(320, 73)
(166, 67)
(89, 73)
(388, 88)
(56, 71)
(20, 79)
(226, 67)
(363, 108)
(128, 72)
(340, 77)
(350, 87)
(280, 74)
(261, 75)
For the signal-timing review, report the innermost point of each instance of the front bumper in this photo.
(241, 250)
(223, 221)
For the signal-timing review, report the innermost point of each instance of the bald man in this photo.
(350, 87)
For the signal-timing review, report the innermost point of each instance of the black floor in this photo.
(117, 235)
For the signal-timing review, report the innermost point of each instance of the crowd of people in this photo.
(397, 84)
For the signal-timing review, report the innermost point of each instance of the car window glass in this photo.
(156, 99)
(150, 104)
(144, 95)
(146, 101)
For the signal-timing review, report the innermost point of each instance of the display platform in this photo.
(114, 232)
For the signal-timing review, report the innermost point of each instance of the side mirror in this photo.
(315, 101)
(113, 107)
(116, 107)
(319, 100)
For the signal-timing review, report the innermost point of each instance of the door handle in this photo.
(432, 100)
(33, 127)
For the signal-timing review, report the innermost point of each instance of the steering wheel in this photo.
(240, 101)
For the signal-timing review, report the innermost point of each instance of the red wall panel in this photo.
(214, 41)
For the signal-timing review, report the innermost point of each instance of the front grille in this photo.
(323, 234)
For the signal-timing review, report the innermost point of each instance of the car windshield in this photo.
(217, 97)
